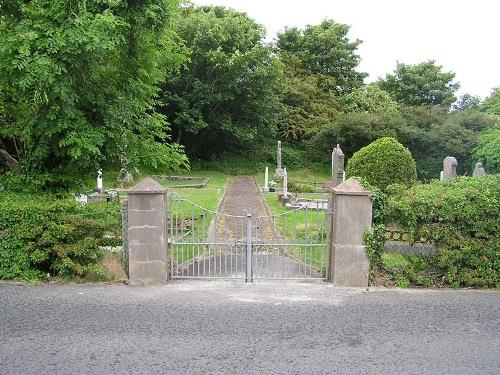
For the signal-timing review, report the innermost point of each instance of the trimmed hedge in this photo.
(382, 163)
(40, 235)
(462, 218)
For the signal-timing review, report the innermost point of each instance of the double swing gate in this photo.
(207, 244)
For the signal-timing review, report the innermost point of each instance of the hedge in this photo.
(383, 162)
(462, 218)
(42, 235)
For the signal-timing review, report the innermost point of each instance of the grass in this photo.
(409, 270)
(304, 228)
(301, 175)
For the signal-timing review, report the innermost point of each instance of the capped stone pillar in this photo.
(279, 170)
(147, 233)
(352, 216)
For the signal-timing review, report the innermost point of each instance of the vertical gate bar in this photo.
(249, 249)
(192, 240)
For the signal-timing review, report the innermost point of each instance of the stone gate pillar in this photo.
(352, 215)
(147, 233)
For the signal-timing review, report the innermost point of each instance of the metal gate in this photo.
(208, 244)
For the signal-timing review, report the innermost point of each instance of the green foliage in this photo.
(225, 97)
(374, 240)
(467, 102)
(383, 162)
(461, 218)
(325, 49)
(78, 82)
(421, 84)
(320, 66)
(411, 270)
(491, 105)
(488, 150)
(42, 235)
(370, 99)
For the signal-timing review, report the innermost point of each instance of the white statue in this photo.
(100, 187)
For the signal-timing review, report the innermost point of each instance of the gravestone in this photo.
(449, 168)
(479, 170)
(337, 166)
(266, 179)
(285, 184)
(99, 184)
(279, 170)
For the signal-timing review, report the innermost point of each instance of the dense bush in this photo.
(383, 162)
(42, 235)
(488, 150)
(461, 218)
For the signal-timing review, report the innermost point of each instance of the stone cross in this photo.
(479, 170)
(337, 166)
(285, 183)
(279, 170)
(449, 168)
(266, 180)
(100, 187)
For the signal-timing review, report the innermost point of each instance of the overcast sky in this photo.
(463, 36)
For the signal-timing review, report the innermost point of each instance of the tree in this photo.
(325, 49)
(309, 101)
(78, 82)
(226, 95)
(421, 84)
(467, 102)
(370, 98)
(491, 105)
(488, 150)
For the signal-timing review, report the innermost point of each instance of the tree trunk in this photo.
(12, 163)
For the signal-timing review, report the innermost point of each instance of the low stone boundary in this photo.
(203, 181)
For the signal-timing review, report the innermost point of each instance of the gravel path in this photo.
(237, 328)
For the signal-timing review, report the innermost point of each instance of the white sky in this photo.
(463, 36)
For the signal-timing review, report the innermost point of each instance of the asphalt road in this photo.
(233, 328)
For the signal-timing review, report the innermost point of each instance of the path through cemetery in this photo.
(243, 197)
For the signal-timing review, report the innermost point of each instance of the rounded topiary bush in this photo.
(382, 163)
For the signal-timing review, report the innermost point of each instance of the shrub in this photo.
(42, 235)
(461, 218)
(383, 162)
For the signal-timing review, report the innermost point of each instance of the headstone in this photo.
(352, 216)
(100, 187)
(82, 199)
(266, 180)
(279, 170)
(479, 170)
(285, 183)
(449, 168)
(125, 177)
(337, 166)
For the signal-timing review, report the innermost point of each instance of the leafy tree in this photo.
(226, 95)
(325, 49)
(78, 82)
(488, 150)
(370, 98)
(467, 102)
(421, 84)
(309, 101)
(491, 105)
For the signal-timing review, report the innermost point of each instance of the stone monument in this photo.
(100, 187)
(479, 170)
(266, 179)
(279, 169)
(449, 168)
(337, 166)
(285, 184)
